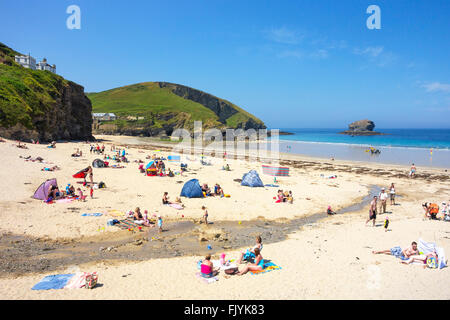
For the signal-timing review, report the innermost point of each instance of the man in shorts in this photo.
(399, 253)
(373, 211)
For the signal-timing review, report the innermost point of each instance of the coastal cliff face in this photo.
(39, 105)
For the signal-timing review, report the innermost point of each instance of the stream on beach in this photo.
(21, 254)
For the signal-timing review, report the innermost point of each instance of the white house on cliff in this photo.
(30, 63)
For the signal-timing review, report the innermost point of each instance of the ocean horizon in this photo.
(423, 147)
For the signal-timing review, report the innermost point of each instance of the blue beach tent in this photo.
(252, 179)
(192, 189)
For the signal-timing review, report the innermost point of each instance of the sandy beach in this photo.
(330, 258)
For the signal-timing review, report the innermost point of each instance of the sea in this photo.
(423, 147)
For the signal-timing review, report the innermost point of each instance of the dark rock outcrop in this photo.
(68, 118)
(361, 128)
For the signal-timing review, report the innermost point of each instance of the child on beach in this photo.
(330, 211)
(205, 215)
(92, 192)
(160, 223)
(81, 197)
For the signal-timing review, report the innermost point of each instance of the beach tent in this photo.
(151, 168)
(81, 174)
(430, 247)
(192, 189)
(42, 192)
(97, 163)
(275, 171)
(251, 179)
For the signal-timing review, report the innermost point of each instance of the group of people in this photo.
(410, 254)
(432, 210)
(54, 193)
(143, 219)
(382, 197)
(218, 191)
(285, 196)
(77, 153)
(253, 257)
(97, 149)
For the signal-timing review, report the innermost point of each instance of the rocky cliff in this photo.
(40, 105)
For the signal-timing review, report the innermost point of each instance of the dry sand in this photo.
(330, 259)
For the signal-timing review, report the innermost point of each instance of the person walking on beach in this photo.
(205, 214)
(392, 194)
(383, 197)
(373, 211)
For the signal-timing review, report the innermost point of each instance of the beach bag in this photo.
(432, 263)
(91, 280)
(232, 271)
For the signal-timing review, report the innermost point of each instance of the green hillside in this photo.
(169, 106)
(40, 105)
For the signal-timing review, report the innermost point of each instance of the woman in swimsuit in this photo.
(207, 268)
(257, 266)
(250, 253)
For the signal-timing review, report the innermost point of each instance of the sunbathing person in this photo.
(218, 191)
(207, 268)
(421, 258)
(249, 254)
(54, 168)
(399, 253)
(330, 211)
(21, 146)
(257, 266)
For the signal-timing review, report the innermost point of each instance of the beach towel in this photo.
(268, 266)
(429, 247)
(206, 280)
(127, 224)
(53, 282)
(92, 214)
(116, 213)
(65, 200)
(271, 185)
(176, 206)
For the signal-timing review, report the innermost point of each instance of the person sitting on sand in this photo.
(431, 210)
(165, 199)
(70, 190)
(330, 211)
(249, 254)
(21, 146)
(399, 253)
(257, 266)
(137, 216)
(171, 174)
(207, 268)
(280, 196)
(218, 191)
(81, 197)
(53, 192)
(206, 189)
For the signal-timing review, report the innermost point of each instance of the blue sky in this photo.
(309, 63)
